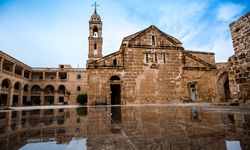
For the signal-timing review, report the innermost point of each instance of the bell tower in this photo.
(95, 36)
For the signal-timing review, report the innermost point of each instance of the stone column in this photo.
(23, 72)
(10, 97)
(20, 98)
(13, 68)
(42, 97)
(1, 63)
(30, 75)
(56, 98)
(57, 75)
(43, 76)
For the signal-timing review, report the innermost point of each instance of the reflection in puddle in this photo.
(126, 127)
(75, 144)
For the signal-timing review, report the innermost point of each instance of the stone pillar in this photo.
(1, 63)
(20, 98)
(23, 72)
(57, 75)
(43, 76)
(56, 98)
(30, 75)
(42, 98)
(10, 97)
(13, 68)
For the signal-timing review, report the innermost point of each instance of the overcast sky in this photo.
(45, 33)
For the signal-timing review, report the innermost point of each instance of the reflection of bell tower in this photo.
(95, 36)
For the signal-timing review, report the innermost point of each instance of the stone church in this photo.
(150, 67)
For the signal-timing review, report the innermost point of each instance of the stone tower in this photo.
(95, 37)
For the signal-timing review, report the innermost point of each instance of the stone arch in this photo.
(26, 88)
(115, 77)
(49, 89)
(17, 94)
(17, 86)
(223, 90)
(36, 89)
(6, 83)
(61, 89)
(5, 92)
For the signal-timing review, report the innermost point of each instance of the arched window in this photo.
(95, 32)
(49, 89)
(6, 83)
(17, 86)
(61, 89)
(78, 76)
(153, 40)
(114, 62)
(78, 88)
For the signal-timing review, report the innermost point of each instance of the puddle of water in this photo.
(126, 127)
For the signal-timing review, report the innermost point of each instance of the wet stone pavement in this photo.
(143, 127)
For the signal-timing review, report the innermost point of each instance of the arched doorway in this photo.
(115, 90)
(5, 92)
(192, 90)
(16, 95)
(35, 95)
(25, 94)
(223, 87)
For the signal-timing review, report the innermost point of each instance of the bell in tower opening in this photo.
(95, 32)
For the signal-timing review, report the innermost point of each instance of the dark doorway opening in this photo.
(24, 100)
(35, 100)
(61, 99)
(115, 94)
(49, 100)
(226, 90)
(15, 100)
(3, 100)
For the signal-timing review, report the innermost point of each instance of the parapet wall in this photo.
(239, 63)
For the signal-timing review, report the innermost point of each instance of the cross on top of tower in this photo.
(95, 5)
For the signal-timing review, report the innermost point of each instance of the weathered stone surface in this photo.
(239, 78)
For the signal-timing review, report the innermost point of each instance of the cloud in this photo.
(229, 11)
(47, 33)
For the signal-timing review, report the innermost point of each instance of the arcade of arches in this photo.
(17, 94)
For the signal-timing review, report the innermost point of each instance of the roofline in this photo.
(5, 54)
(201, 52)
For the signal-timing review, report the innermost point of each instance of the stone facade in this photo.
(239, 63)
(149, 67)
